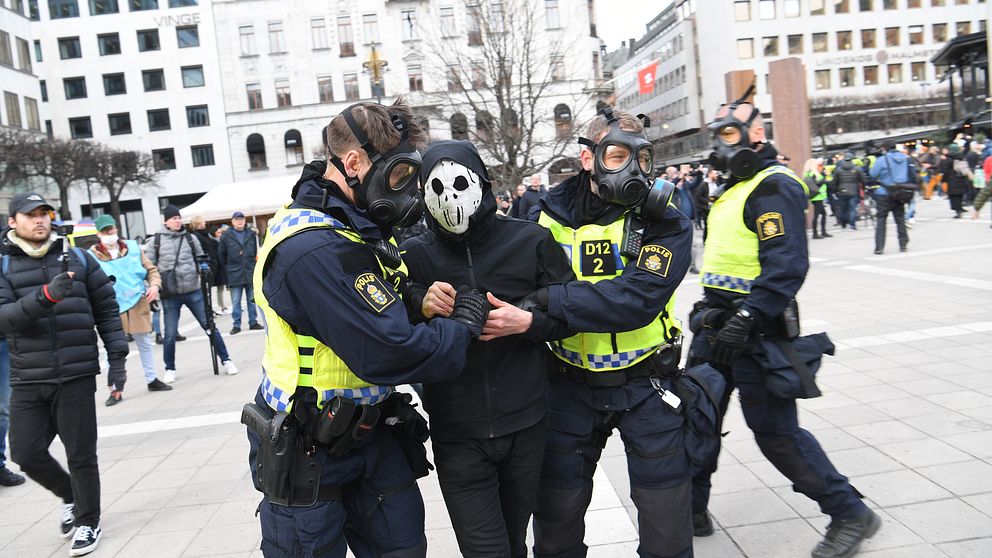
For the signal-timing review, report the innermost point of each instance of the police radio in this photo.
(633, 236)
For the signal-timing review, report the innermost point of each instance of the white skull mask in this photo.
(452, 193)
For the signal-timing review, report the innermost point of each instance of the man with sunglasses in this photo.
(334, 449)
(756, 260)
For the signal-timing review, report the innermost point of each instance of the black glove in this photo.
(59, 288)
(732, 340)
(535, 300)
(707, 317)
(472, 309)
(117, 374)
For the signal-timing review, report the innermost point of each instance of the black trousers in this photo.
(884, 206)
(490, 490)
(957, 202)
(40, 411)
(820, 215)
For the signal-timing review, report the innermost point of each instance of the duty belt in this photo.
(643, 369)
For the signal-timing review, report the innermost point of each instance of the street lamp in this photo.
(376, 68)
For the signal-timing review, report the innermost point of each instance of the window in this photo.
(889, 4)
(473, 25)
(563, 121)
(843, 40)
(75, 88)
(6, 55)
(454, 81)
(842, 6)
(937, 3)
(318, 33)
(914, 3)
(918, 71)
(346, 41)
(44, 90)
(325, 90)
(867, 38)
(817, 7)
(192, 76)
(159, 120)
(795, 44)
(939, 32)
(31, 112)
(37, 51)
(23, 55)
(182, 3)
(791, 8)
(370, 28)
(120, 123)
(109, 43)
(447, 21)
(69, 48)
(33, 12)
(247, 34)
(870, 75)
(769, 46)
(895, 73)
(916, 34)
(197, 116)
(479, 73)
(819, 42)
(277, 40)
(891, 36)
(377, 86)
(283, 98)
(823, 79)
(154, 80)
(459, 126)
(58, 9)
(293, 142)
(80, 128)
(557, 67)
(13, 109)
(416, 77)
(203, 155)
(142, 5)
(766, 9)
(254, 91)
(846, 76)
(351, 87)
(742, 10)
(866, 5)
(164, 159)
(408, 25)
(256, 152)
(188, 36)
(496, 16)
(113, 84)
(101, 7)
(551, 17)
(745, 48)
(963, 27)
(483, 124)
(148, 40)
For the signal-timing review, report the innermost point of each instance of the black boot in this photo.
(702, 525)
(844, 537)
(825, 234)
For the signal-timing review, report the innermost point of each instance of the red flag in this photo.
(646, 77)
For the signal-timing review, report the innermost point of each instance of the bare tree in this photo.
(512, 79)
(117, 170)
(15, 152)
(64, 162)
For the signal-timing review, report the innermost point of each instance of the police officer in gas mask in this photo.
(629, 247)
(335, 450)
(747, 326)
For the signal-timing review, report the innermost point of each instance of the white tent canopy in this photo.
(252, 197)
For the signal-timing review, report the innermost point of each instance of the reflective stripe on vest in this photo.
(730, 258)
(290, 360)
(594, 252)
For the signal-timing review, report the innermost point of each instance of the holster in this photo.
(286, 472)
(410, 428)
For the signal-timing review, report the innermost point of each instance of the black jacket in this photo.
(956, 185)
(238, 256)
(56, 342)
(847, 178)
(502, 388)
(209, 246)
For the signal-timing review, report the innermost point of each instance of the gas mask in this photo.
(623, 164)
(452, 193)
(733, 150)
(389, 191)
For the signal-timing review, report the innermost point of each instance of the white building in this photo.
(856, 52)
(142, 75)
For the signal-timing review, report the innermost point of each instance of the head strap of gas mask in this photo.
(740, 158)
(387, 204)
(628, 184)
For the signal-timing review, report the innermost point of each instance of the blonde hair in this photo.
(195, 222)
(811, 165)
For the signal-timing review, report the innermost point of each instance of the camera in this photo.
(64, 230)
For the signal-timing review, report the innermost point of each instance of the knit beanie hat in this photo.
(170, 211)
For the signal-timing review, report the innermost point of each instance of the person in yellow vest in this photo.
(755, 260)
(334, 448)
(615, 375)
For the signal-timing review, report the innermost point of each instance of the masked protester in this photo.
(487, 426)
(342, 471)
(747, 324)
(630, 248)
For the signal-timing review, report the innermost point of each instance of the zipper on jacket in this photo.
(52, 325)
(488, 388)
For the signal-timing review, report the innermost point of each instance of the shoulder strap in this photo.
(6, 264)
(82, 258)
(158, 242)
(805, 376)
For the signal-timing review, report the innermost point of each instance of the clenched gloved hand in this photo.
(472, 309)
(535, 300)
(204, 268)
(56, 290)
(732, 339)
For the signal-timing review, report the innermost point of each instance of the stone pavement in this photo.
(906, 413)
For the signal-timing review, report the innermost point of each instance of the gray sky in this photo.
(619, 20)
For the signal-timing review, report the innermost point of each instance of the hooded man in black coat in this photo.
(487, 424)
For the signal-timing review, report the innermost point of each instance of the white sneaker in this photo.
(230, 367)
(68, 523)
(169, 377)
(85, 540)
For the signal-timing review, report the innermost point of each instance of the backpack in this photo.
(5, 265)
(701, 389)
(962, 169)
